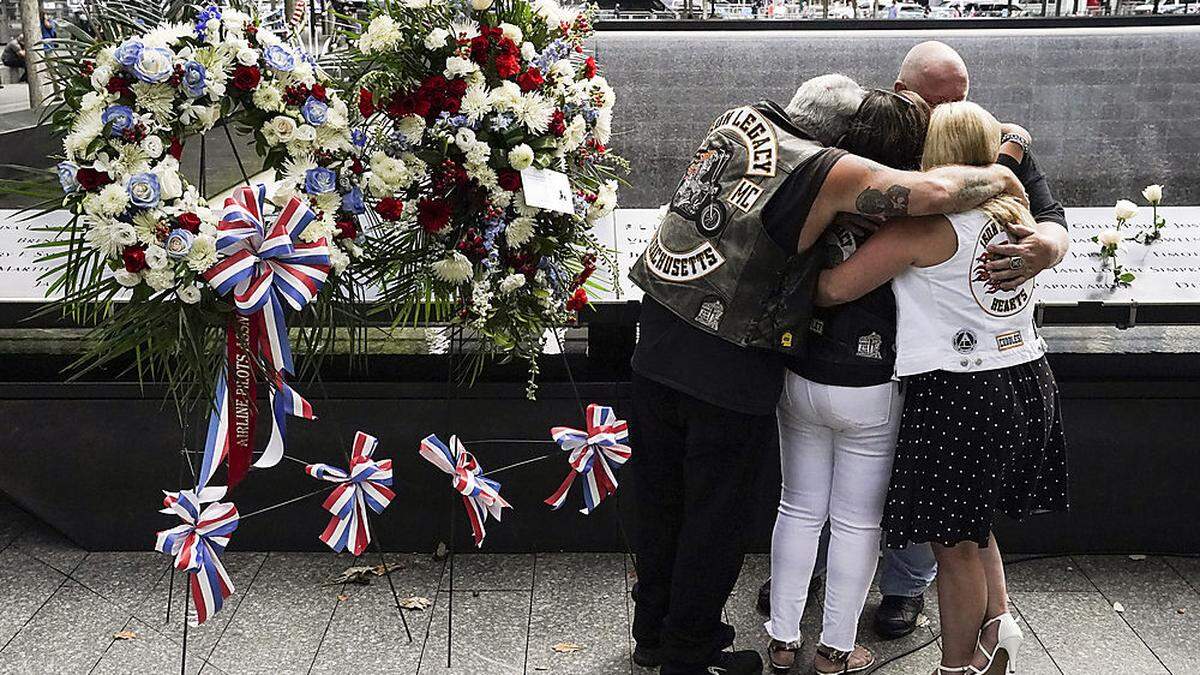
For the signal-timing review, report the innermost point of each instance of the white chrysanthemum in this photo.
(500, 198)
(606, 201)
(94, 101)
(167, 35)
(328, 203)
(146, 224)
(268, 97)
(476, 102)
(107, 56)
(535, 112)
(382, 34)
(604, 95)
(319, 229)
(479, 153)
(519, 231)
(304, 74)
(507, 96)
(464, 29)
(563, 69)
(203, 253)
(266, 37)
(528, 51)
(378, 187)
(293, 172)
(160, 279)
(455, 269)
(107, 236)
(86, 129)
(511, 283)
(338, 260)
(392, 171)
(603, 129)
(457, 66)
(520, 157)
(483, 174)
(412, 127)
(110, 201)
(573, 137)
(436, 38)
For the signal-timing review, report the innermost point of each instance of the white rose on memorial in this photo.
(1153, 194)
(520, 157)
(247, 56)
(1125, 210)
(1109, 238)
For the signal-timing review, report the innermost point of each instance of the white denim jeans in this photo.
(836, 448)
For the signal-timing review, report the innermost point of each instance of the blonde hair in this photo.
(964, 133)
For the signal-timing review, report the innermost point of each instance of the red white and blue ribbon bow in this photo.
(594, 456)
(263, 268)
(480, 494)
(365, 487)
(196, 545)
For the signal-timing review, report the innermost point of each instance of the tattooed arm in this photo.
(858, 185)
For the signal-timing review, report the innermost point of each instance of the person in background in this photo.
(982, 430)
(14, 55)
(838, 419)
(48, 33)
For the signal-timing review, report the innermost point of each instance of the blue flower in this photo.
(179, 243)
(144, 190)
(119, 116)
(280, 58)
(203, 18)
(358, 137)
(352, 201)
(319, 181)
(195, 79)
(315, 111)
(129, 52)
(154, 65)
(66, 176)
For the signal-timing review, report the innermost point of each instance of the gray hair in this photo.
(824, 105)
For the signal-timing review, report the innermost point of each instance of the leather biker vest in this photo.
(711, 262)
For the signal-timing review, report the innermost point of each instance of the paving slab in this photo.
(148, 651)
(367, 634)
(13, 522)
(579, 598)
(489, 636)
(1033, 657)
(491, 572)
(68, 634)
(50, 547)
(1188, 568)
(27, 584)
(1045, 575)
(122, 578)
(241, 567)
(1083, 634)
(1121, 578)
(279, 623)
(741, 612)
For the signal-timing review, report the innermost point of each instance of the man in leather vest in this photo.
(760, 191)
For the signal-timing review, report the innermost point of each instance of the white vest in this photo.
(948, 320)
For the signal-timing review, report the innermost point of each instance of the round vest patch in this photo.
(994, 301)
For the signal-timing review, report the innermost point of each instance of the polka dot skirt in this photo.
(972, 444)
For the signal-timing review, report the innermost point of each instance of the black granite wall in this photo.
(1111, 109)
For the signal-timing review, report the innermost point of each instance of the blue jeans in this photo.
(907, 572)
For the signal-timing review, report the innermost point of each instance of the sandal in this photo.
(832, 661)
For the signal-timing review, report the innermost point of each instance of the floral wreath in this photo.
(464, 106)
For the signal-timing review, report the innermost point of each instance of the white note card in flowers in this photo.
(547, 189)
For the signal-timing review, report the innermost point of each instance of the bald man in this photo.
(937, 72)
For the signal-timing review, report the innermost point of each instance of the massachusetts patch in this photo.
(682, 266)
(1009, 340)
(711, 312)
(964, 341)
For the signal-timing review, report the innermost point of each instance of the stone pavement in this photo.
(62, 608)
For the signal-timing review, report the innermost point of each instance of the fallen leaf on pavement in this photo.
(416, 602)
(922, 621)
(380, 570)
(342, 597)
(567, 648)
(1118, 607)
(124, 635)
(1137, 556)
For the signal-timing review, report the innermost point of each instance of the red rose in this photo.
(357, 167)
(451, 105)
(246, 77)
(577, 301)
(90, 179)
(422, 107)
(507, 66)
(390, 208)
(480, 46)
(346, 229)
(589, 68)
(318, 92)
(189, 222)
(135, 259)
(399, 106)
(366, 103)
(557, 126)
(509, 179)
(433, 215)
(530, 80)
(118, 85)
(176, 148)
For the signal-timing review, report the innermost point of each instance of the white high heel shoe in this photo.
(1009, 637)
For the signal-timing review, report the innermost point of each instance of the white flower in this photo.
(519, 231)
(85, 130)
(268, 97)
(1125, 210)
(109, 237)
(528, 51)
(575, 133)
(189, 295)
(481, 5)
(247, 56)
(126, 278)
(304, 74)
(507, 96)
(391, 171)
(535, 112)
(563, 70)
(111, 201)
(338, 260)
(1109, 238)
(455, 269)
(476, 102)
(603, 128)
(156, 257)
(606, 201)
(93, 101)
(511, 283)
(464, 29)
(306, 133)
(457, 66)
(479, 153)
(206, 117)
(152, 145)
(1153, 194)
(512, 32)
(235, 21)
(436, 38)
(280, 129)
(413, 127)
(169, 182)
(203, 253)
(382, 34)
(100, 77)
(159, 280)
(520, 157)
(464, 139)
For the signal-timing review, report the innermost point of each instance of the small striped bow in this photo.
(196, 545)
(365, 487)
(480, 494)
(594, 456)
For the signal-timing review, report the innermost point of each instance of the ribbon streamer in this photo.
(480, 494)
(197, 543)
(263, 269)
(364, 487)
(594, 456)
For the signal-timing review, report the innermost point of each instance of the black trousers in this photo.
(693, 470)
